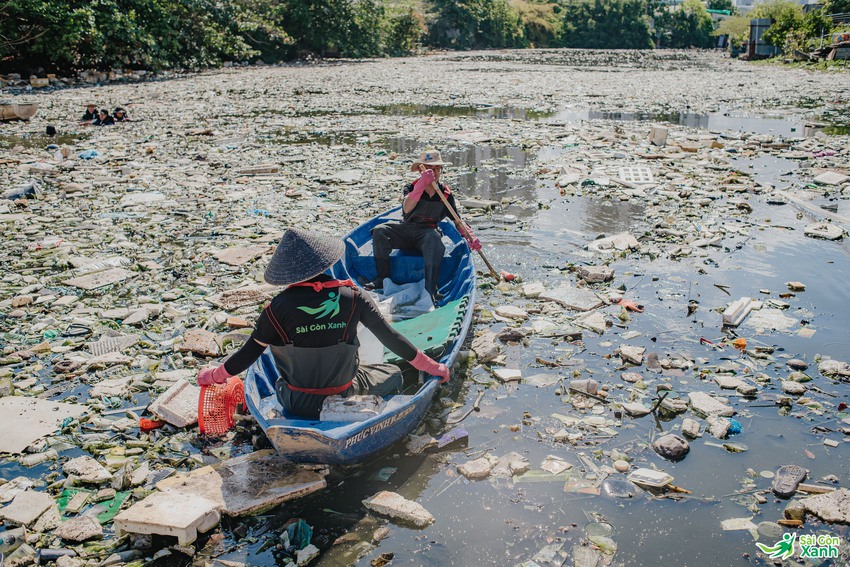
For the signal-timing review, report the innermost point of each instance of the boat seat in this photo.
(407, 265)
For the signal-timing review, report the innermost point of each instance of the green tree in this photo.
(727, 5)
(736, 27)
(816, 24)
(346, 28)
(465, 24)
(687, 25)
(405, 32)
(601, 24)
(541, 22)
(837, 7)
(786, 15)
(82, 34)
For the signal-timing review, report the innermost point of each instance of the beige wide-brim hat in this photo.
(429, 157)
(302, 255)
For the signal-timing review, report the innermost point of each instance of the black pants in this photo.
(412, 236)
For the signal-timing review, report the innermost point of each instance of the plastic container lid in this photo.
(649, 477)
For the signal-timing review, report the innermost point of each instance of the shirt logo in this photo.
(326, 308)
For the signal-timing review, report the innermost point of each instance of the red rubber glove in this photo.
(209, 376)
(430, 366)
(426, 179)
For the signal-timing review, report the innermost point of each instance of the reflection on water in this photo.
(40, 140)
(483, 111)
(775, 170)
(789, 126)
(777, 125)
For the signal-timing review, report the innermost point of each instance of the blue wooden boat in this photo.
(439, 333)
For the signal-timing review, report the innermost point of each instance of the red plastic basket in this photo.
(217, 405)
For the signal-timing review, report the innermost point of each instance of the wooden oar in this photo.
(460, 224)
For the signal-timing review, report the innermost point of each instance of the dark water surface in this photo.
(496, 522)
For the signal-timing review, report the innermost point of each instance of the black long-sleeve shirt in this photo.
(311, 319)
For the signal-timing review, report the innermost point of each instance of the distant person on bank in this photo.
(90, 114)
(103, 119)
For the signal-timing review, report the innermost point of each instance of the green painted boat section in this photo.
(433, 330)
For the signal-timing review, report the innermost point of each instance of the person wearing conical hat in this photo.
(311, 327)
(422, 211)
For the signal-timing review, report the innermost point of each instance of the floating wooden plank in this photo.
(100, 279)
(243, 296)
(238, 255)
(259, 169)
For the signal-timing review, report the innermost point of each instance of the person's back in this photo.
(312, 330)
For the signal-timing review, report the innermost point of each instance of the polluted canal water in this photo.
(675, 336)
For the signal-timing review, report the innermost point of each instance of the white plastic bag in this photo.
(371, 350)
(406, 294)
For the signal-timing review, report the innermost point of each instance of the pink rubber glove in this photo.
(473, 242)
(426, 179)
(430, 366)
(209, 376)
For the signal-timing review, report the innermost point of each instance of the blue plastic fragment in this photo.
(89, 154)
(734, 426)
(300, 533)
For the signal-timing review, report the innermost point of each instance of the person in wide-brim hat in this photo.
(311, 329)
(422, 210)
